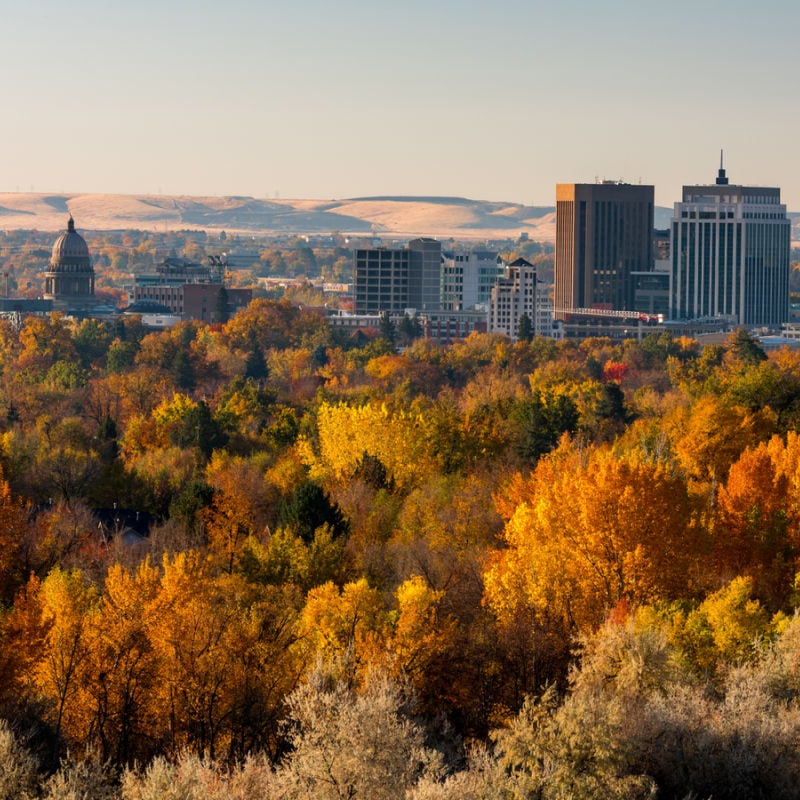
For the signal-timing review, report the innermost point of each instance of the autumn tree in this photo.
(626, 534)
(752, 535)
(66, 602)
(239, 507)
(709, 436)
(120, 671)
(346, 432)
(15, 537)
(45, 341)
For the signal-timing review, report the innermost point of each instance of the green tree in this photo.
(198, 428)
(524, 329)
(388, 331)
(410, 328)
(310, 508)
(540, 421)
(92, 340)
(183, 370)
(745, 347)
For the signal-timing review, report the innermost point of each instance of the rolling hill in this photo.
(395, 216)
(387, 216)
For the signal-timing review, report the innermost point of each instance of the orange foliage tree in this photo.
(625, 533)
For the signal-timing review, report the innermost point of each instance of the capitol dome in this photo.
(70, 275)
(69, 248)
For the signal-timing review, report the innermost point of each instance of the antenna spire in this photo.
(722, 179)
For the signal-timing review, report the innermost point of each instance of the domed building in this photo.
(69, 280)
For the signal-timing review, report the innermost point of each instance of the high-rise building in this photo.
(424, 275)
(730, 254)
(395, 279)
(604, 232)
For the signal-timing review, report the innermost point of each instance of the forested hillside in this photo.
(261, 559)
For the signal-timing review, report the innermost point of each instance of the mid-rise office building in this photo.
(603, 234)
(380, 280)
(730, 254)
(395, 279)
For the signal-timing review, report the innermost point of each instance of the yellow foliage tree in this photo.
(346, 624)
(66, 602)
(189, 623)
(239, 508)
(226, 658)
(347, 432)
(120, 669)
(422, 634)
(709, 436)
(725, 628)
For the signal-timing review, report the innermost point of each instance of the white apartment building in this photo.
(512, 296)
(467, 278)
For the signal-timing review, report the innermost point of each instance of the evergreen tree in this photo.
(387, 329)
(183, 371)
(310, 508)
(255, 366)
(524, 329)
(222, 312)
(745, 347)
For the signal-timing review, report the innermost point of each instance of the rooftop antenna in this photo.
(721, 178)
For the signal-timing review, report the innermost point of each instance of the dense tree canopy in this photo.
(196, 522)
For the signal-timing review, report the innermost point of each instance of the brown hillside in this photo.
(398, 216)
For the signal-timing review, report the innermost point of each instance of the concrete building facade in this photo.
(380, 280)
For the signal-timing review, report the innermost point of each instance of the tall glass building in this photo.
(730, 254)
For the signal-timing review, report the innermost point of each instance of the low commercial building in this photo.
(192, 291)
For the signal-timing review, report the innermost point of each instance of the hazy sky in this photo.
(341, 98)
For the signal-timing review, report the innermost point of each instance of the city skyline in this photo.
(450, 99)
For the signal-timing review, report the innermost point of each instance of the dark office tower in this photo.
(604, 232)
(730, 254)
(424, 279)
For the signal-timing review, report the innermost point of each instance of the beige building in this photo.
(512, 297)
